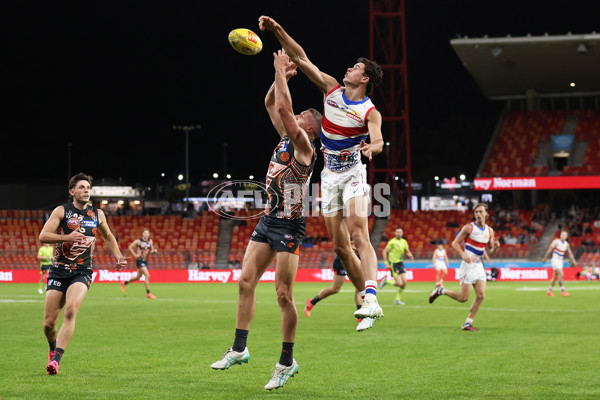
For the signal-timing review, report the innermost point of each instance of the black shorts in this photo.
(338, 267)
(398, 268)
(61, 280)
(140, 262)
(280, 234)
(45, 267)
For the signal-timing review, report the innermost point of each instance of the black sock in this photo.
(358, 306)
(314, 301)
(52, 345)
(126, 283)
(147, 291)
(58, 355)
(287, 354)
(239, 343)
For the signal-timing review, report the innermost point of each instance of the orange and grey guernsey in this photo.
(71, 255)
(287, 182)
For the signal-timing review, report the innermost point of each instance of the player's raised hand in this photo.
(284, 65)
(266, 23)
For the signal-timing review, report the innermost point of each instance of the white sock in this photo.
(469, 321)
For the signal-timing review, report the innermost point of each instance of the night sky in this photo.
(113, 78)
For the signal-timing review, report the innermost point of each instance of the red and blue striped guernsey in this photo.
(477, 240)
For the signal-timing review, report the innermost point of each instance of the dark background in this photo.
(113, 78)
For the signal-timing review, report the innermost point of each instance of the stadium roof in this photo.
(506, 67)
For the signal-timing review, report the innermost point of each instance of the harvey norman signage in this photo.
(537, 182)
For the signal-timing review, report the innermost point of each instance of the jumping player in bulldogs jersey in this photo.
(72, 228)
(349, 121)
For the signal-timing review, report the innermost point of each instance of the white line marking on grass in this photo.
(527, 310)
(20, 301)
(545, 288)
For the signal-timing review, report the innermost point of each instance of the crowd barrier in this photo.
(506, 273)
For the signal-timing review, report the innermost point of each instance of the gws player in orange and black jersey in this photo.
(280, 232)
(140, 249)
(72, 227)
(349, 120)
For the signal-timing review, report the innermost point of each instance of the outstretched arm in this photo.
(297, 55)
(285, 112)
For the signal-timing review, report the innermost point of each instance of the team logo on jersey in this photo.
(288, 236)
(285, 157)
(73, 223)
(91, 214)
(332, 103)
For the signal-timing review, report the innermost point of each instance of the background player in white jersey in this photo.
(558, 248)
(441, 263)
(349, 118)
(477, 236)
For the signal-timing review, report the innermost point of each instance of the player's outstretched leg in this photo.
(281, 375)
(231, 358)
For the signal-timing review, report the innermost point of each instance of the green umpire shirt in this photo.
(396, 249)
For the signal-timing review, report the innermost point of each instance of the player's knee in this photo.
(462, 299)
(245, 285)
(335, 290)
(69, 315)
(284, 297)
(48, 325)
(480, 297)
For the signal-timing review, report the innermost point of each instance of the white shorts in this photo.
(471, 272)
(441, 265)
(557, 263)
(339, 187)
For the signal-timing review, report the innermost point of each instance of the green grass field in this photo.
(127, 347)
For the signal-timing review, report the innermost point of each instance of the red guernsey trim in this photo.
(333, 90)
(475, 244)
(334, 129)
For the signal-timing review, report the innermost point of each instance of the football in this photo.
(245, 41)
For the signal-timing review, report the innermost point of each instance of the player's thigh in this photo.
(338, 281)
(465, 290)
(401, 278)
(357, 216)
(286, 269)
(144, 271)
(257, 259)
(75, 296)
(336, 226)
(55, 300)
(480, 287)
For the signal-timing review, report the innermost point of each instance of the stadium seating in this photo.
(516, 146)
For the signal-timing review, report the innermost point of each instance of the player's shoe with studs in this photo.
(565, 294)
(52, 367)
(383, 282)
(51, 355)
(150, 296)
(231, 358)
(308, 308)
(282, 374)
(549, 293)
(469, 327)
(370, 309)
(365, 324)
(399, 302)
(435, 294)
